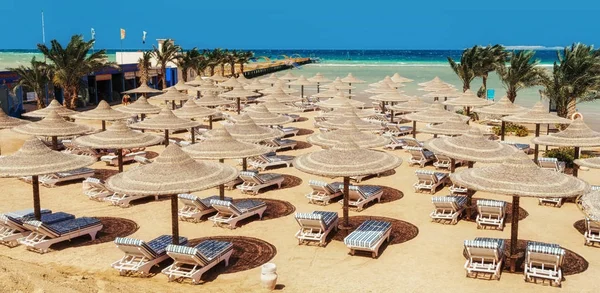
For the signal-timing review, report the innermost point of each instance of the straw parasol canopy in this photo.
(53, 126)
(330, 93)
(319, 78)
(348, 132)
(219, 145)
(519, 177)
(191, 110)
(338, 84)
(413, 104)
(172, 172)
(197, 81)
(10, 122)
(242, 79)
(382, 88)
(397, 78)
(103, 112)
(263, 117)
(453, 126)
(468, 99)
(34, 159)
(339, 100)
(590, 163)
(245, 129)
(503, 107)
(256, 85)
(238, 92)
(301, 81)
(165, 120)
(281, 96)
(472, 147)
(274, 106)
(590, 205)
(171, 94)
(209, 87)
(443, 92)
(143, 89)
(436, 81)
(212, 101)
(271, 79)
(386, 81)
(288, 77)
(217, 77)
(350, 79)
(182, 86)
(232, 82)
(54, 106)
(344, 160)
(140, 106)
(434, 114)
(391, 97)
(348, 108)
(277, 87)
(351, 117)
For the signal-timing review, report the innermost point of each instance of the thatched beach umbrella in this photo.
(238, 93)
(350, 117)
(576, 135)
(339, 100)
(503, 107)
(34, 159)
(53, 126)
(171, 94)
(382, 88)
(209, 88)
(346, 159)
(182, 86)
(10, 122)
(278, 87)
(590, 205)
(453, 126)
(191, 110)
(435, 82)
(387, 81)
(246, 130)
(469, 100)
(345, 133)
(413, 104)
(288, 76)
(350, 79)
(280, 95)
(274, 106)
(242, 79)
(348, 108)
(165, 121)
(232, 82)
(537, 115)
(263, 117)
(217, 77)
(391, 97)
(197, 81)
(54, 106)
(255, 85)
(213, 101)
(590, 163)
(103, 112)
(318, 79)
(301, 81)
(519, 177)
(143, 89)
(397, 78)
(330, 93)
(434, 114)
(140, 107)
(118, 136)
(271, 79)
(220, 145)
(172, 172)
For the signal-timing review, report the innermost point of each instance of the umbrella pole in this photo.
(382, 107)
(468, 114)
(514, 232)
(414, 129)
(239, 106)
(302, 93)
(103, 125)
(55, 143)
(502, 130)
(36, 197)
(210, 122)
(244, 164)
(193, 132)
(345, 208)
(142, 116)
(392, 116)
(222, 186)
(537, 147)
(575, 167)
(166, 138)
(318, 88)
(120, 159)
(174, 220)
(452, 165)
(173, 104)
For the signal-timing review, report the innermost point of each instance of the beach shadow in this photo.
(112, 228)
(275, 209)
(289, 181)
(104, 174)
(304, 131)
(390, 194)
(301, 119)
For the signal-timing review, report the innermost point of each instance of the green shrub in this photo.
(515, 129)
(564, 154)
(521, 131)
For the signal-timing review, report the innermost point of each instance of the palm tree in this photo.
(202, 64)
(487, 60)
(230, 58)
(144, 65)
(465, 70)
(166, 54)
(522, 73)
(575, 78)
(243, 58)
(186, 61)
(215, 57)
(72, 63)
(35, 77)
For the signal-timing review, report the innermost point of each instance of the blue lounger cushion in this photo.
(367, 234)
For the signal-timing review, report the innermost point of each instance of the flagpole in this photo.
(43, 33)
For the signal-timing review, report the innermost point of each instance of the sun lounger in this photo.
(520, 146)
(229, 213)
(113, 160)
(397, 130)
(419, 156)
(592, 233)
(192, 262)
(394, 143)
(80, 150)
(280, 144)
(430, 180)
(360, 195)
(444, 162)
(43, 235)
(141, 256)
(124, 200)
(448, 208)
(95, 189)
(412, 142)
(195, 208)
(289, 131)
(484, 255)
(304, 107)
(142, 160)
(322, 192)
(11, 224)
(595, 187)
(458, 190)
(262, 162)
(368, 237)
(491, 213)
(315, 226)
(543, 260)
(552, 164)
(50, 180)
(254, 182)
(556, 201)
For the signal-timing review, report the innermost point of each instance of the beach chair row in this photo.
(358, 195)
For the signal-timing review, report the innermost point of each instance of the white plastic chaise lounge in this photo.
(322, 192)
(263, 162)
(289, 131)
(124, 200)
(419, 156)
(141, 256)
(360, 195)
(491, 213)
(592, 231)
(552, 164)
(430, 180)
(396, 130)
(544, 261)
(95, 189)
(192, 262)
(315, 226)
(113, 160)
(43, 235)
(412, 142)
(445, 162)
(484, 255)
(456, 189)
(447, 208)
(369, 236)
(254, 182)
(194, 208)
(50, 180)
(11, 224)
(280, 144)
(229, 213)
(394, 143)
(305, 107)
(142, 160)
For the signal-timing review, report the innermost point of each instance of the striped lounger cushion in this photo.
(206, 251)
(279, 159)
(49, 219)
(328, 218)
(484, 242)
(267, 177)
(366, 190)
(367, 234)
(459, 200)
(28, 213)
(491, 203)
(155, 247)
(325, 185)
(64, 227)
(546, 248)
(554, 160)
(240, 207)
(337, 185)
(413, 148)
(438, 175)
(595, 187)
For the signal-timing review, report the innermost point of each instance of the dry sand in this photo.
(432, 261)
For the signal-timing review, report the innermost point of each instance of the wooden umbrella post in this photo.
(210, 122)
(244, 164)
(173, 104)
(120, 159)
(382, 107)
(392, 116)
(575, 157)
(414, 132)
(502, 130)
(193, 132)
(174, 220)
(345, 208)
(537, 147)
(222, 186)
(35, 182)
(55, 143)
(239, 106)
(103, 125)
(166, 138)
(452, 165)
(514, 233)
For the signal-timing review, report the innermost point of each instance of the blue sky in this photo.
(310, 24)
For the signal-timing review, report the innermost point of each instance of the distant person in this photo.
(126, 100)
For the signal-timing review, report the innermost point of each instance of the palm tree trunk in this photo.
(74, 97)
(222, 69)
(40, 98)
(466, 87)
(242, 68)
(571, 106)
(233, 69)
(511, 94)
(184, 74)
(484, 79)
(163, 78)
(212, 70)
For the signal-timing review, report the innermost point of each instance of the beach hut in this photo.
(103, 112)
(172, 172)
(434, 114)
(347, 133)
(503, 107)
(165, 121)
(263, 117)
(238, 93)
(53, 126)
(35, 159)
(54, 106)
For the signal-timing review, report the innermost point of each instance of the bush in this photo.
(515, 129)
(564, 154)
(473, 115)
(521, 131)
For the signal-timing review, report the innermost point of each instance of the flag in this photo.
(122, 34)
(93, 34)
(144, 37)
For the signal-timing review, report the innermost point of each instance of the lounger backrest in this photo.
(75, 172)
(487, 249)
(493, 207)
(411, 142)
(355, 193)
(47, 218)
(592, 225)
(545, 253)
(192, 200)
(448, 202)
(310, 220)
(249, 176)
(92, 180)
(595, 187)
(426, 176)
(548, 163)
(416, 152)
(136, 247)
(321, 186)
(442, 158)
(202, 254)
(225, 207)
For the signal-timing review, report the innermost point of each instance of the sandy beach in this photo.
(432, 261)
